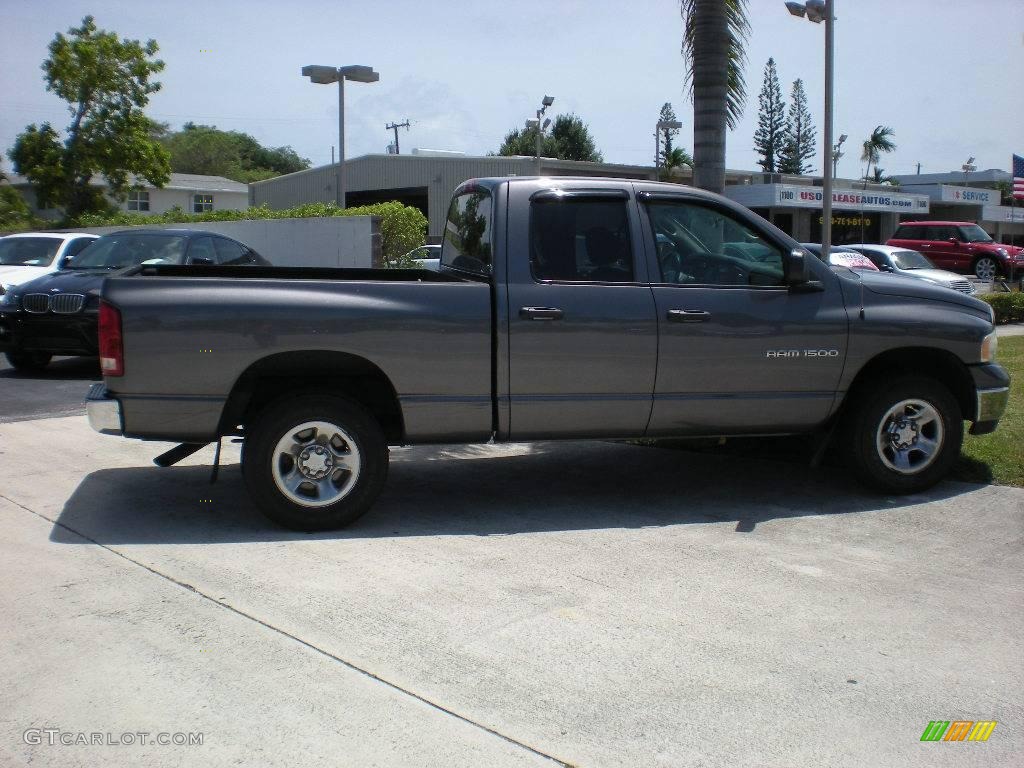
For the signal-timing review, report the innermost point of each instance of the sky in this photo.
(945, 75)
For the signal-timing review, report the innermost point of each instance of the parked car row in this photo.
(50, 301)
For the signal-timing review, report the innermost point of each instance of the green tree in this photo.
(879, 142)
(714, 50)
(206, 150)
(770, 135)
(801, 138)
(569, 139)
(878, 177)
(667, 115)
(675, 160)
(107, 83)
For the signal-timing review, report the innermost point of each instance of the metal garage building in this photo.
(421, 180)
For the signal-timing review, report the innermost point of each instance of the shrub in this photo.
(402, 227)
(1009, 307)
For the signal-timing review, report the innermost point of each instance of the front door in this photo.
(739, 351)
(583, 338)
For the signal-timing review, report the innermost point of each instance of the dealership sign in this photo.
(967, 195)
(850, 199)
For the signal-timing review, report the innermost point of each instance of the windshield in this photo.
(28, 251)
(911, 260)
(974, 234)
(120, 251)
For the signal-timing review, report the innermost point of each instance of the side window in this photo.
(580, 240)
(201, 251)
(76, 246)
(230, 252)
(906, 233)
(698, 244)
(467, 233)
(874, 257)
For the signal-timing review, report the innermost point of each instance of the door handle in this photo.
(540, 313)
(688, 315)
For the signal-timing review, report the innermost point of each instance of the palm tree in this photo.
(879, 177)
(879, 142)
(714, 37)
(674, 159)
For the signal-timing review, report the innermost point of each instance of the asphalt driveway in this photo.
(590, 604)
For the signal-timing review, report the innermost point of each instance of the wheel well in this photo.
(943, 366)
(314, 371)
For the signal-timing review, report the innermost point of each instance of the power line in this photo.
(394, 127)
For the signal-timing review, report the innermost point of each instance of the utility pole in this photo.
(394, 127)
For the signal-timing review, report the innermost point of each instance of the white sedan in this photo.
(28, 255)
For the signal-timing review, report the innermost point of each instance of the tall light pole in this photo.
(967, 168)
(818, 11)
(324, 75)
(546, 102)
(663, 125)
(837, 153)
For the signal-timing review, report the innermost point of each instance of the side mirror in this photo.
(63, 262)
(794, 267)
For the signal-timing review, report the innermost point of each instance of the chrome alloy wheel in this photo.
(910, 436)
(985, 268)
(315, 463)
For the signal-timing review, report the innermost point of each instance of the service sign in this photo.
(951, 194)
(850, 199)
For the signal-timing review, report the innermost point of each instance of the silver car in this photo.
(903, 261)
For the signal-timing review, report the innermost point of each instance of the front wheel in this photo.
(28, 361)
(903, 436)
(985, 268)
(314, 463)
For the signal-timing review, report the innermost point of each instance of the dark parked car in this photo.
(56, 314)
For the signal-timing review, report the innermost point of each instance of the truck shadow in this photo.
(61, 369)
(481, 491)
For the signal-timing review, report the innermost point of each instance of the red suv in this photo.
(959, 246)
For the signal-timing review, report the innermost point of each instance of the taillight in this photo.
(111, 346)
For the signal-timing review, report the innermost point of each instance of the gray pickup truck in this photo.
(564, 308)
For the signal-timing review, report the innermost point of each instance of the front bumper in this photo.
(104, 412)
(992, 390)
(75, 334)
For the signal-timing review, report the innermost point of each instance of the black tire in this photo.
(866, 432)
(21, 360)
(308, 507)
(985, 268)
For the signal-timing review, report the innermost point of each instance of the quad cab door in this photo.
(740, 351)
(582, 330)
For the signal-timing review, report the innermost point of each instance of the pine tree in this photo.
(801, 137)
(771, 120)
(667, 115)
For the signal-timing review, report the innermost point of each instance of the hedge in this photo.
(1009, 307)
(402, 227)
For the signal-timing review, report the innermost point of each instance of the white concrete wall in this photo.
(338, 241)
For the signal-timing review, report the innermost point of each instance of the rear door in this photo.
(936, 246)
(739, 350)
(583, 336)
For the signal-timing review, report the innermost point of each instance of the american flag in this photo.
(1018, 177)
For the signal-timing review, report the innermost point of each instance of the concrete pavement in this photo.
(589, 603)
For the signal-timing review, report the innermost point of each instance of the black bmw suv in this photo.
(57, 314)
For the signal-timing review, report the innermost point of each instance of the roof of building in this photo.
(953, 177)
(192, 182)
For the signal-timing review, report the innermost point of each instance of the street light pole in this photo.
(324, 75)
(666, 126)
(340, 195)
(826, 208)
(818, 11)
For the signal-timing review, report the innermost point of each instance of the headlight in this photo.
(7, 296)
(1002, 252)
(988, 347)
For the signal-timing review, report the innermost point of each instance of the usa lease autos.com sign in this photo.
(850, 199)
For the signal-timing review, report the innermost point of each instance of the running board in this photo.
(177, 453)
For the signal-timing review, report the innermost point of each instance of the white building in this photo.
(192, 193)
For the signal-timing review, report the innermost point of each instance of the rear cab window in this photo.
(468, 233)
(580, 240)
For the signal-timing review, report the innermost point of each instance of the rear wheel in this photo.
(314, 462)
(985, 268)
(28, 361)
(903, 436)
